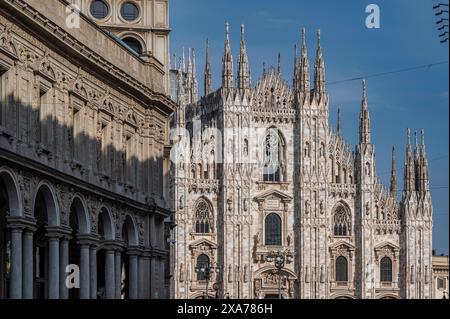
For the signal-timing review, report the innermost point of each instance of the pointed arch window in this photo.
(342, 221)
(341, 269)
(386, 269)
(273, 230)
(274, 156)
(203, 218)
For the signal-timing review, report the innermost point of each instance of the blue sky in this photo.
(407, 37)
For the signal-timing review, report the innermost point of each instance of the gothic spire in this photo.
(296, 69)
(416, 160)
(364, 119)
(304, 65)
(194, 82)
(189, 65)
(208, 75)
(319, 71)
(183, 62)
(180, 97)
(279, 65)
(175, 67)
(243, 80)
(339, 123)
(188, 81)
(227, 62)
(393, 176)
(424, 177)
(409, 174)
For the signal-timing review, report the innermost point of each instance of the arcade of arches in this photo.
(47, 229)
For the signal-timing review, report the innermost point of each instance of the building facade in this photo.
(440, 277)
(142, 24)
(83, 157)
(257, 170)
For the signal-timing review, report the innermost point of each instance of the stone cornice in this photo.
(64, 178)
(34, 21)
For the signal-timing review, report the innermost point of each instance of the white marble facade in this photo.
(257, 168)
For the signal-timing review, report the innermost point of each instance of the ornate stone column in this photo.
(118, 273)
(21, 280)
(53, 266)
(146, 276)
(133, 274)
(85, 270)
(110, 270)
(63, 263)
(141, 277)
(27, 268)
(15, 285)
(93, 271)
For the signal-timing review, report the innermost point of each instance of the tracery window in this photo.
(273, 230)
(203, 218)
(341, 269)
(274, 155)
(386, 269)
(342, 222)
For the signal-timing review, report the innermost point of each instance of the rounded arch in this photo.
(386, 269)
(201, 295)
(134, 36)
(129, 231)
(105, 226)
(9, 181)
(273, 230)
(342, 296)
(78, 209)
(341, 269)
(46, 192)
(388, 296)
(264, 269)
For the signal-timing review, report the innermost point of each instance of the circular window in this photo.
(99, 9)
(133, 44)
(129, 11)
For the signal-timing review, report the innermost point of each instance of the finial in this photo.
(279, 63)
(264, 68)
(416, 142)
(243, 31)
(364, 88)
(408, 132)
(304, 37)
(227, 28)
(318, 37)
(393, 157)
(339, 121)
(423, 136)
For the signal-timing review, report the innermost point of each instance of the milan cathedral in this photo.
(259, 174)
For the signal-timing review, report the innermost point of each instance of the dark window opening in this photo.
(99, 9)
(133, 44)
(273, 230)
(129, 11)
(341, 269)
